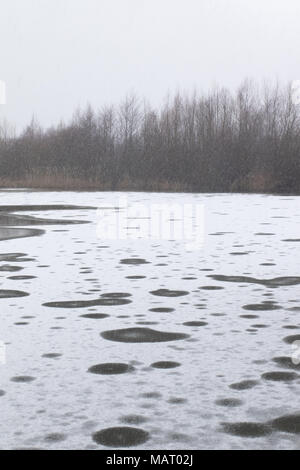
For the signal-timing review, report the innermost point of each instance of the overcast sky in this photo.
(58, 54)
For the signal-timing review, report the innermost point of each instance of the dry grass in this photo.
(54, 182)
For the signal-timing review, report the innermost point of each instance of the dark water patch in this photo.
(169, 293)
(291, 339)
(240, 253)
(220, 233)
(161, 310)
(95, 316)
(176, 436)
(177, 401)
(21, 278)
(14, 220)
(274, 282)
(134, 261)
(135, 277)
(2, 393)
(229, 402)
(87, 303)
(117, 295)
(280, 376)
(244, 385)
(51, 355)
(188, 278)
(195, 323)
(249, 317)
(41, 208)
(12, 257)
(165, 365)
(9, 294)
(264, 234)
(23, 379)
(141, 335)
(21, 323)
(211, 288)
(287, 423)
(286, 362)
(291, 240)
(10, 268)
(259, 325)
(55, 437)
(133, 419)
(151, 395)
(7, 233)
(262, 307)
(247, 429)
(121, 437)
(110, 368)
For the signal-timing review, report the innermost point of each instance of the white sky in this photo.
(58, 54)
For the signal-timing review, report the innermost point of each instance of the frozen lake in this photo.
(172, 346)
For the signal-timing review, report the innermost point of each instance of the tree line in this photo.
(219, 141)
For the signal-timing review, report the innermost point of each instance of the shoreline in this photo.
(95, 188)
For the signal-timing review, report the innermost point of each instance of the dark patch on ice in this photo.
(51, 355)
(21, 278)
(244, 385)
(55, 437)
(286, 362)
(247, 429)
(161, 310)
(110, 368)
(280, 376)
(151, 395)
(9, 294)
(211, 288)
(134, 261)
(249, 317)
(95, 316)
(40, 208)
(274, 282)
(10, 268)
(133, 419)
(7, 233)
(165, 365)
(262, 307)
(291, 339)
(116, 295)
(22, 379)
(141, 335)
(14, 220)
(229, 402)
(121, 437)
(287, 423)
(177, 401)
(135, 277)
(195, 323)
(107, 302)
(169, 293)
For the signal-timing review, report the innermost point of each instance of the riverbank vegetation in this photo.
(243, 141)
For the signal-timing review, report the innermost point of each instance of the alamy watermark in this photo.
(166, 221)
(2, 92)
